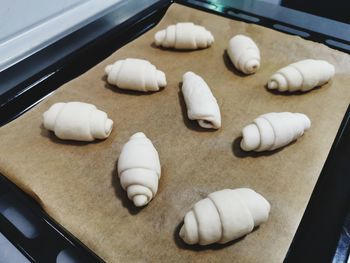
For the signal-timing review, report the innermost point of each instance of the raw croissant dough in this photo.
(244, 54)
(201, 104)
(77, 121)
(184, 36)
(274, 130)
(224, 216)
(139, 169)
(303, 75)
(135, 74)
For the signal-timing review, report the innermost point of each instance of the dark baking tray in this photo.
(322, 235)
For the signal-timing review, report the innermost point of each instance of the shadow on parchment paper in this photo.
(182, 245)
(121, 194)
(229, 65)
(153, 45)
(127, 92)
(190, 124)
(51, 135)
(293, 93)
(238, 152)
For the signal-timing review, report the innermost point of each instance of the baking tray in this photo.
(312, 204)
(91, 166)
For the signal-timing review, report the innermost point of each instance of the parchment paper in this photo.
(77, 184)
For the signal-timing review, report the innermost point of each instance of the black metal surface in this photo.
(323, 232)
(335, 9)
(51, 238)
(343, 247)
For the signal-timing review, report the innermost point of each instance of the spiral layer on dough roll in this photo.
(224, 216)
(274, 130)
(139, 169)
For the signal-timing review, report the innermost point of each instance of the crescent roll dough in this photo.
(184, 36)
(224, 216)
(244, 54)
(139, 169)
(303, 75)
(201, 104)
(135, 74)
(274, 130)
(77, 121)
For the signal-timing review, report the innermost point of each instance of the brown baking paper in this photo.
(77, 185)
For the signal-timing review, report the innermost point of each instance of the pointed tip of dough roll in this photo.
(140, 200)
(108, 69)
(305, 119)
(188, 74)
(258, 206)
(211, 38)
(250, 138)
(161, 78)
(108, 127)
(239, 36)
(159, 37)
(49, 116)
(252, 66)
(332, 69)
(185, 236)
(278, 81)
(272, 84)
(138, 135)
(189, 230)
